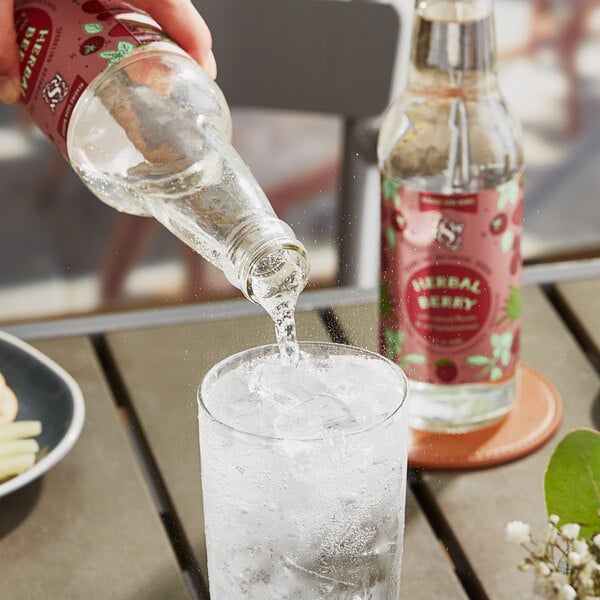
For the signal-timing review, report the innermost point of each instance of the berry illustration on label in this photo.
(92, 7)
(498, 224)
(446, 370)
(91, 45)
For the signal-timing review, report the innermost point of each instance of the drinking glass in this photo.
(304, 474)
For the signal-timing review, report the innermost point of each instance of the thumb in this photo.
(9, 56)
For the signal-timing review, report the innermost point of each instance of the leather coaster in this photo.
(534, 418)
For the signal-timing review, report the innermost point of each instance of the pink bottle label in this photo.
(450, 283)
(64, 46)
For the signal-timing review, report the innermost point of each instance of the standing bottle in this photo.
(451, 167)
(148, 131)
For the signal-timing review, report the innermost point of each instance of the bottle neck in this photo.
(267, 262)
(453, 47)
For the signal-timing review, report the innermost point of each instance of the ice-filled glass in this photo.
(304, 474)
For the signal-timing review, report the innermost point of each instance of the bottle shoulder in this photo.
(425, 138)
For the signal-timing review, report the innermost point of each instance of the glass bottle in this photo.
(149, 132)
(451, 166)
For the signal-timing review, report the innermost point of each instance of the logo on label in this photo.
(448, 233)
(54, 92)
(447, 304)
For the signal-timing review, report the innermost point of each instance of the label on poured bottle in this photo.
(450, 302)
(64, 46)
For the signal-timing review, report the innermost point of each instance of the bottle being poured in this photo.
(149, 133)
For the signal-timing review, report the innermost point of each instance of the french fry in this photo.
(19, 430)
(9, 405)
(14, 465)
(15, 447)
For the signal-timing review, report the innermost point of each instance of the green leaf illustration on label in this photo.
(478, 360)
(385, 302)
(394, 341)
(502, 347)
(506, 243)
(93, 28)
(508, 193)
(511, 309)
(390, 188)
(124, 49)
(390, 235)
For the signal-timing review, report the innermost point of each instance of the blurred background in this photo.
(64, 253)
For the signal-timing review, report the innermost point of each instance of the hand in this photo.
(10, 71)
(178, 18)
(182, 23)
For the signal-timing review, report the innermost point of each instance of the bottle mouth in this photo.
(270, 265)
(278, 274)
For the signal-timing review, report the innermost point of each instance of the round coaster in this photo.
(534, 418)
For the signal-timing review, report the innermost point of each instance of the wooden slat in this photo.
(161, 369)
(478, 504)
(87, 528)
(583, 298)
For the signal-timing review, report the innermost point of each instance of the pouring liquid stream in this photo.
(276, 284)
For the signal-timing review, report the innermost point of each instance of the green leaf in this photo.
(390, 188)
(508, 193)
(512, 306)
(393, 342)
(477, 360)
(495, 374)
(572, 481)
(385, 302)
(391, 237)
(416, 359)
(507, 240)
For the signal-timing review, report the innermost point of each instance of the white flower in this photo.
(566, 592)
(574, 559)
(543, 569)
(570, 531)
(596, 540)
(517, 532)
(581, 548)
(548, 536)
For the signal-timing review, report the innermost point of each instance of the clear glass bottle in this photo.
(149, 132)
(451, 166)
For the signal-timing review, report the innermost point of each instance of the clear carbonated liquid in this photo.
(276, 285)
(450, 135)
(314, 508)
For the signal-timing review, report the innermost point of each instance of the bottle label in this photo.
(63, 46)
(450, 301)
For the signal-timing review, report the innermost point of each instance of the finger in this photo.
(182, 23)
(9, 57)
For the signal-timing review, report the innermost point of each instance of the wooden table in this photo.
(121, 516)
